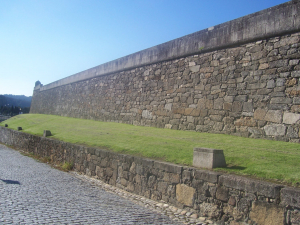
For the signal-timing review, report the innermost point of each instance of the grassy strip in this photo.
(269, 160)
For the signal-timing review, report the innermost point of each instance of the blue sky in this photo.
(48, 40)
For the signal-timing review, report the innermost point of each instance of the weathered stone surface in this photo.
(146, 114)
(291, 118)
(246, 121)
(195, 68)
(267, 214)
(275, 129)
(274, 116)
(208, 176)
(290, 197)
(252, 186)
(168, 126)
(168, 167)
(259, 114)
(210, 210)
(222, 193)
(232, 201)
(185, 194)
(295, 217)
(208, 158)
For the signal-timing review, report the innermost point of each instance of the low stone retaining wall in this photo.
(218, 196)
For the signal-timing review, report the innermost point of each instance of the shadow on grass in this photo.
(236, 168)
(11, 182)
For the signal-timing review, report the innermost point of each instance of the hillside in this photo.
(15, 100)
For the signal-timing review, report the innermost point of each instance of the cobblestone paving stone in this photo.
(34, 193)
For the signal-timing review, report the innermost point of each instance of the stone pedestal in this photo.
(47, 133)
(208, 158)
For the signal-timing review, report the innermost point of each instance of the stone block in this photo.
(295, 217)
(248, 107)
(168, 106)
(211, 211)
(274, 116)
(246, 121)
(296, 74)
(271, 84)
(295, 108)
(249, 185)
(259, 114)
(267, 214)
(209, 176)
(218, 103)
(168, 167)
(186, 176)
(208, 158)
(190, 119)
(222, 193)
(143, 162)
(275, 130)
(19, 128)
(290, 118)
(292, 132)
(47, 133)
(146, 114)
(241, 98)
(185, 194)
(280, 100)
(188, 111)
(228, 98)
(227, 106)
(256, 86)
(256, 132)
(195, 112)
(217, 118)
(168, 126)
(263, 66)
(290, 197)
(195, 69)
(237, 107)
(5, 125)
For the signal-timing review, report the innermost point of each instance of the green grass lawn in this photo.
(269, 160)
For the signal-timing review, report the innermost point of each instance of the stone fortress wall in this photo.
(240, 77)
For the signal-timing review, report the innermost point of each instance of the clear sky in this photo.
(48, 40)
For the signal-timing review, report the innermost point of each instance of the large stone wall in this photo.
(233, 199)
(252, 89)
(240, 77)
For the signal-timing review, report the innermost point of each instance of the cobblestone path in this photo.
(34, 193)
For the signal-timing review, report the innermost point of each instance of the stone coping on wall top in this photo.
(260, 187)
(271, 22)
(290, 197)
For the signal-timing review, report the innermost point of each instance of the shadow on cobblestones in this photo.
(11, 182)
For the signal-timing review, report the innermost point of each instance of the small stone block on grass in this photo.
(6, 125)
(47, 133)
(208, 158)
(19, 128)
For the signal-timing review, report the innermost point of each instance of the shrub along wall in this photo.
(215, 195)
